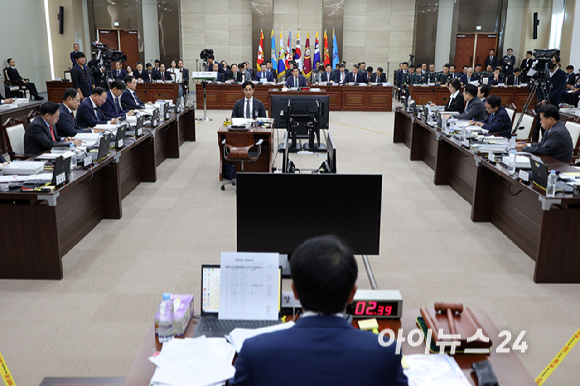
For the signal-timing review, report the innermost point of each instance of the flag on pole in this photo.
(335, 59)
(307, 61)
(316, 49)
(260, 51)
(298, 54)
(326, 54)
(289, 50)
(281, 66)
(273, 56)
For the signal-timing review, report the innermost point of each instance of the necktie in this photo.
(97, 114)
(296, 82)
(52, 133)
(117, 106)
(354, 78)
(341, 77)
(73, 117)
(248, 113)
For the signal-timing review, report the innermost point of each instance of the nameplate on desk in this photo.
(87, 161)
(139, 132)
(524, 176)
(120, 142)
(446, 130)
(466, 142)
(491, 157)
(60, 178)
(204, 75)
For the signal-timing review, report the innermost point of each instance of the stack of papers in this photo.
(88, 137)
(194, 362)
(434, 370)
(107, 127)
(23, 168)
(239, 335)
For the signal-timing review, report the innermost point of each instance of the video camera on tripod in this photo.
(203, 56)
(106, 56)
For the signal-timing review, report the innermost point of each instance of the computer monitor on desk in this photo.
(291, 208)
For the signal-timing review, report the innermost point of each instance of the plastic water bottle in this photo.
(166, 329)
(551, 188)
(512, 161)
(513, 142)
(463, 133)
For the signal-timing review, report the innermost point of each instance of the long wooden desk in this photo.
(547, 230)
(507, 367)
(147, 92)
(508, 94)
(21, 112)
(342, 98)
(38, 229)
(264, 162)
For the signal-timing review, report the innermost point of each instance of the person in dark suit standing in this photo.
(508, 62)
(264, 74)
(41, 135)
(556, 141)
(498, 121)
(322, 348)
(118, 72)
(112, 107)
(140, 74)
(90, 114)
(129, 98)
(456, 101)
(99, 76)
(495, 78)
(491, 60)
(557, 80)
(515, 79)
(248, 107)
(474, 109)
(162, 74)
(76, 48)
(527, 66)
(67, 124)
(82, 77)
(296, 80)
(14, 75)
(354, 76)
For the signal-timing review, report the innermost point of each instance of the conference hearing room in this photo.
(283, 192)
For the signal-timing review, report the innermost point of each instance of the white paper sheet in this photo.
(249, 287)
(239, 335)
(434, 370)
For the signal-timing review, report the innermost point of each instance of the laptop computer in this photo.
(209, 324)
(540, 176)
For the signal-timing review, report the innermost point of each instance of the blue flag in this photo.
(335, 59)
(273, 55)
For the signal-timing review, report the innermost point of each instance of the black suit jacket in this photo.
(37, 138)
(128, 103)
(491, 62)
(157, 75)
(240, 110)
(475, 109)
(237, 77)
(86, 115)
(144, 75)
(556, 143)
(67, 124)
(382, 79)
(511, 80)
(571, 78)
(82, 78)
(13, 74)
(457, 104)
(325, 77)
(526, 65)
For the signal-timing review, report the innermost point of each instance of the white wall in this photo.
(25, 39)
(150, 31)
(513, 31)
(575, 53)
(444, 30)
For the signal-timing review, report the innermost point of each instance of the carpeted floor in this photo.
(93, 322)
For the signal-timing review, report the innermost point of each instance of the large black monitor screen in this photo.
(300, 103)
(277, 212)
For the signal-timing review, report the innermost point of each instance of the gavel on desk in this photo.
(450, 309)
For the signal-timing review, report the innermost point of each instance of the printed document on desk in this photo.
(250, 286)
(434, 370)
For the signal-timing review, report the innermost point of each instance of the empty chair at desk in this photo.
(240, 147)
(573, 127)
(511, 110)
(15, 133)
(527, 123)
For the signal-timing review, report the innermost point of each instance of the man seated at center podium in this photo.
(248, 107)
(296, 80)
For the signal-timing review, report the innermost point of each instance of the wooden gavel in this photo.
(450, 309)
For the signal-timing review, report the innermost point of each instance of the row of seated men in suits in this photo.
(13, 75)
(100, 107)
(485, 111)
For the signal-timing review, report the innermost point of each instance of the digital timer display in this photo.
(369, 308)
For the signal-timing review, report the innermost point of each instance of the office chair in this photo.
(14, 131)
(237, 148)
(16, 86)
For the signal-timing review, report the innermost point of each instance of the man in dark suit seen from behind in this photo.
(90, 114)
(474, 109)
(67, 124)
(322, 348)
(498, 121)
(556, 141)
(40, 135)
(129, 98)
(76, 48)
(296, 80)
(82, 76)
(248, 107)
(491, 60)
(13, 74)
(515, 79)
(557, 80)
